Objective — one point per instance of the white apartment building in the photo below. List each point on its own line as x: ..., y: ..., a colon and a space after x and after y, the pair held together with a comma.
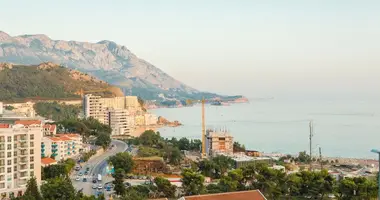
x: 118, y: 121
x: 150, y: 119
x: 49, y: 130
x: 129, y: 103
x: 20, y: 155
x: 61, y: 146
x: 93, y: 107
x: 1, y: 108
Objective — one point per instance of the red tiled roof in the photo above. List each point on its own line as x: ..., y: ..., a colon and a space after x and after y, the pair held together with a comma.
x: 51, y: 127
x: 68, y: 135
x: 47, y: 161
x: 27, y: 122
x: 4, y: 125
x: 243, y: 195
x: 56, y: 139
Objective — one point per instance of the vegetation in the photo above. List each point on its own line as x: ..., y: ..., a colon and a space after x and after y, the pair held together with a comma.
x: 216, y: 167
x: 238, y: 147
x: 32, y: 190
x: 87, y: 155
x: 122, y: 161
x: 57, y: 111
x: 103, y: 140
x: 119, y: 182
x: 58, y: 170
x: 22, y: 82
x: 165, y: 187
x: 192, y: 182
x: 58, y: 188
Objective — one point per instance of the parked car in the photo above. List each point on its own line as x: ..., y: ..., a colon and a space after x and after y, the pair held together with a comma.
x: 127, y: 184
x: 77, y: 178
x: 86, y: 173
x: 80, y: 174
x: 94, y: 186
x: 84, y: 179
x: 77, y: 168
x: 100, y: 186
x: 94, y: 180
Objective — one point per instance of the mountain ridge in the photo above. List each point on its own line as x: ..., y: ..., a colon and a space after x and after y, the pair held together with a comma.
x: 105, y: 59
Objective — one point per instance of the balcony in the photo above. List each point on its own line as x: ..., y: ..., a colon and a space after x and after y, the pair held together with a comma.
x: 42, y: 150
x: 54, y: 154
x: 23, y: 139
x: 42, y: 155
x: 54, y: 145
x: 42, y: 145
x: 54, y: 150
x: 24, y: 176
x: 23, y: 147
x: 23, y: 162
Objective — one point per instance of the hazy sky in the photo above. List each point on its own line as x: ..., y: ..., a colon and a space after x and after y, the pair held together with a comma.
x: 257, y: 48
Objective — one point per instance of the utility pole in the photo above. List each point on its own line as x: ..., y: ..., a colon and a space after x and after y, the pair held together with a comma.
x: 310, y: 140
x: 203, y: 130
x: 320, y: 158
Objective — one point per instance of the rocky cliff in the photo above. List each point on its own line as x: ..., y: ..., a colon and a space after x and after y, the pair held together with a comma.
x: 105, y: 60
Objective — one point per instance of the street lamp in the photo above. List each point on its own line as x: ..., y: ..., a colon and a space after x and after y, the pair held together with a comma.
x: 378, y: 152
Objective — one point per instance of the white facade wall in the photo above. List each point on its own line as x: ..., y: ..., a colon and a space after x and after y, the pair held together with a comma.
x: 20, y: 158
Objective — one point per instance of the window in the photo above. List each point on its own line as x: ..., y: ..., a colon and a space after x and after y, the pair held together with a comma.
x: 15, y: 146
x: 31, y: 144
x: 9, y: 169
x: 31, y: 173
x: 15, y: 161
x: 31, y: 166
x: 9, y: 154
x: 15, y: 168
x: 9, y: 146
x: 15, y: 175
x: 32, y: 159
x: 15, y: 153
x: 9, y: 162
x: 9, y: 139
x: 31, y: 151
x: 32, y: 137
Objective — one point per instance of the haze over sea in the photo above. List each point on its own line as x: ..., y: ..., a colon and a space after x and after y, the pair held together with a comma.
x: 343, y: 127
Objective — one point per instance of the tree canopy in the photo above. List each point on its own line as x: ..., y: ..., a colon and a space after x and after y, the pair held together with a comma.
x: 122, y: 161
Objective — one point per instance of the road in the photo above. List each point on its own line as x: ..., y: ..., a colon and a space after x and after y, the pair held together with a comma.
x: 97, y: 165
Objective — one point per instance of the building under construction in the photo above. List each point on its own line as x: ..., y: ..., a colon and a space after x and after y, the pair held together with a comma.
x: 219, y: 142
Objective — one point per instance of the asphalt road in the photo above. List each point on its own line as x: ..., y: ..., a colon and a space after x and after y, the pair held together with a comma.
x: 97, y: 166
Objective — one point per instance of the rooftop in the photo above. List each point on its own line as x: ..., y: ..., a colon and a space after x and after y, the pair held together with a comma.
x: 242, y: 195
x: 48, y: 161
x: 27, y: 122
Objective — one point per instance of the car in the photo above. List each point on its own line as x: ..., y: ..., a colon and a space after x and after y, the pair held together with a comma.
x: 84, y: 179
x: 127, y: 184
x: 87, y: 169
x: 94, y: 180
x: 100, y: 186
x: 80, y: 174
x: 77, y: 178
x: 94, y: 186
x: 77, y: 168
x: 86, y: 173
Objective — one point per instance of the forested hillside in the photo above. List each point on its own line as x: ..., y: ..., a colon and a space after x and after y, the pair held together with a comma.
x: 48, y: 81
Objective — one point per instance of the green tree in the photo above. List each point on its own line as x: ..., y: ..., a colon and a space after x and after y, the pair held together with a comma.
x: 172, y: 154
x: 149, y: 138
x: 233, y: 181
x: 164, y: 186
x: 103, y: 140
x: 58, y: 188
x: 53, y: 171
x: 184, y: 144
x: 192, y: 182
x: 123, y: 161
x: 32, y: 189
x: 237, y: 147
x: 119, y: 182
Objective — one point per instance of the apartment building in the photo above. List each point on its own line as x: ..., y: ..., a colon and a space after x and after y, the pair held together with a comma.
x: 20, y: 155
x: 219, y: 142
x: 1, y: 108
x: 93, y: 107
x: 61, y: 146
x: 129, y: 103
x: 140, y: 120
x: 118, y: 121
x: 150, y: 119
x: 49, y: 130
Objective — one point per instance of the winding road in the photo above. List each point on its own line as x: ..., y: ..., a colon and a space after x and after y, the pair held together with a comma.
x: 97, y: 165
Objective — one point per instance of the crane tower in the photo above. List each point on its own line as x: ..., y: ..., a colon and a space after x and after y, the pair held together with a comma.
x: 203, y: 130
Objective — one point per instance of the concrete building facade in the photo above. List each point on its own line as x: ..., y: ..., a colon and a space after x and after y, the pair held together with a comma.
x: 93, y: 107
x: 20, y: 156
x: 129, y: 103
x: 118, y: 121
x: 1, y: 108
x: 218, y: 142
x: 61, y: 146
x: 150, y: 119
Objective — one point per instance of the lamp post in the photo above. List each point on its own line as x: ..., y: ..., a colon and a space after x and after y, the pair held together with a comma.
x: 378, y: 153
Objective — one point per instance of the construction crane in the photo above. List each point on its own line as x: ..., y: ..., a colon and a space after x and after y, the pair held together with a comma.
x: 203, y: 130
x: 81, y: 92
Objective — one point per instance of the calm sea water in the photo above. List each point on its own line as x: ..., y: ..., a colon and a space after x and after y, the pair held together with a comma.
x: 342, y: 128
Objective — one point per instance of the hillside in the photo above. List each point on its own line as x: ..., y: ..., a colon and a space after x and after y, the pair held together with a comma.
x: 48, y: 81
x: 105, y: 60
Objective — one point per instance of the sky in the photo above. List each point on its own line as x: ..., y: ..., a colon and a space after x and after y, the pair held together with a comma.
x: 255, y: 48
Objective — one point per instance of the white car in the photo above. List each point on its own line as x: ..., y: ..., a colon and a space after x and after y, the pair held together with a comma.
x: 77, y: 178
x: 94, y: 186
x: 100, y: 186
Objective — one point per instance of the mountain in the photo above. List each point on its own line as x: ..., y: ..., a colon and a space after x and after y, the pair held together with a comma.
x: 105, y: 60
x: 48, y: 81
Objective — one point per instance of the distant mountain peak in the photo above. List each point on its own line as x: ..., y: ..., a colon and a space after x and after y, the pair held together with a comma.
x: 105, y: 59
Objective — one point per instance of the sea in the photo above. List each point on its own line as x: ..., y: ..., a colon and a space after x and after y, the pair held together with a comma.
x: 344, y: 128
